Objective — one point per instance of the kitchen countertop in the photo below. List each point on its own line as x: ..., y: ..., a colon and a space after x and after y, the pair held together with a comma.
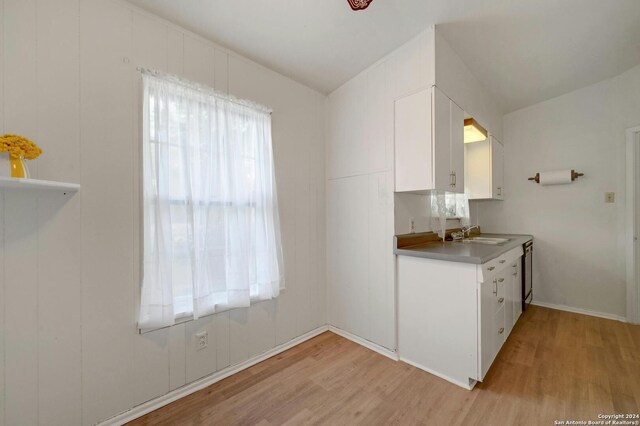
x: 456, y: 251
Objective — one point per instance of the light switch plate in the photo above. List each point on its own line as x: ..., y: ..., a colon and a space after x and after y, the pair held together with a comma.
x: 609, y: 197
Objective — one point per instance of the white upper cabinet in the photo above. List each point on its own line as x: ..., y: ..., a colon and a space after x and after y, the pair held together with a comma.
x: 429, y: 143
x: 484, y: 164
x: 457, y: 147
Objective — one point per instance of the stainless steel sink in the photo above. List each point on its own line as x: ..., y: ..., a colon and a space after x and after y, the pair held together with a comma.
x: 486, y: 240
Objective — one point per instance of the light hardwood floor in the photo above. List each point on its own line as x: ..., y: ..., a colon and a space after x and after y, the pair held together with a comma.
x: 555, y: 366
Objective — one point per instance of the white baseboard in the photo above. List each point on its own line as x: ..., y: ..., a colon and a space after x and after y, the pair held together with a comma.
x: 364, y: 342
x: 579, y: 311
x: 192, y: 387
x: 466, y: 385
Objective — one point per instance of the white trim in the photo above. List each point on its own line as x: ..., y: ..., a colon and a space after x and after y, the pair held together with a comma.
x: 364, y: 342
x: 632, y: 231
x: 468, y: 386
x: 579, y: 311
x: 172, y: 396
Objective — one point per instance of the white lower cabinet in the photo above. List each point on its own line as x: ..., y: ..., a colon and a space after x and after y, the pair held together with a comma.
x: 453, y: 318
x: 513, y: 298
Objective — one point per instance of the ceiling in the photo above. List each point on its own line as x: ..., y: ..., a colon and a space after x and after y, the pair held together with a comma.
x: 523, y: 51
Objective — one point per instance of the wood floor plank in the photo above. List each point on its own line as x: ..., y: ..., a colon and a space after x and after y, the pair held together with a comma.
x: 555, y: 366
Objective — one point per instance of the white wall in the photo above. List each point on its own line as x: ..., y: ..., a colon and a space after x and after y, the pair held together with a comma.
x: 579, y: 254
x: 457, y: 81
x: 361, y: 220
x: 360, y: 283
x: 360, y: 182
x: 69, y: 349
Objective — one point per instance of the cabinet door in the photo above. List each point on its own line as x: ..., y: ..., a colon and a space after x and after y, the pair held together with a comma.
x: 499, y: 331
x: 478, y: 176
x: 413, y: 153
x: 457, y: 147
x: 488, y: 339
x: 497, y: 168
x: 517, y: 290
x: 443, y: 173
x: 508, y: 302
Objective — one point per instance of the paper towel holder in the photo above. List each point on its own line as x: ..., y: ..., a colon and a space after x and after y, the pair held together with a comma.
x: 574, y: 175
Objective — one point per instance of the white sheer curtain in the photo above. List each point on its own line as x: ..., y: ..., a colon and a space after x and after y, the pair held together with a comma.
x: 446, y: 205
x: 211, y: 226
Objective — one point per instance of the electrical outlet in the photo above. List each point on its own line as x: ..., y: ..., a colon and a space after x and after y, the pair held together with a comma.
x: 412, y: 223
x: 609, y: 197
x: 202, y: 340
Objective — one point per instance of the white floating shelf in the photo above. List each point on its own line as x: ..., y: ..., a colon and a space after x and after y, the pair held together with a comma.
x: 43, y: 185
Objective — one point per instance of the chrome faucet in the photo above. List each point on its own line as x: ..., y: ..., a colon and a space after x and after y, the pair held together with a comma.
x: 467, y: 229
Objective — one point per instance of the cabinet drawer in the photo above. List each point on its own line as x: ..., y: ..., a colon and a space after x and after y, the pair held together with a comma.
x: 487, y: 271
x: 490, y: 269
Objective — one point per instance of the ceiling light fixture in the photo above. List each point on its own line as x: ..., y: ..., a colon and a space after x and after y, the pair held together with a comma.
x: 359, y: 4
x: 473, y: 132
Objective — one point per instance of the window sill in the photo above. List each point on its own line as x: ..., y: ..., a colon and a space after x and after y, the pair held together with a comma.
x: 189, y: 318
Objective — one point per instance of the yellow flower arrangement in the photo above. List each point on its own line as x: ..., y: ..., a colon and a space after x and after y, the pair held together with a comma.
x: 18, y: 146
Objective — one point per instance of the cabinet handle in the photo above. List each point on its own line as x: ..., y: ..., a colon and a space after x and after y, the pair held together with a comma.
x: 501, y: 300
x: 495, y: 287
x: 501, y: 280
x: 451, y: 184
x: 491, y: 268
x: 455, y: 179
x: 499, y: 190
x: 514, y: 274
x: 501, y: 330
x: 515, y: 265
x: 502, y: 261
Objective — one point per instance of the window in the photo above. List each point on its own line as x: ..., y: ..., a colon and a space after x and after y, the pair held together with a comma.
x: 210, y: 212
x: 448, y: 205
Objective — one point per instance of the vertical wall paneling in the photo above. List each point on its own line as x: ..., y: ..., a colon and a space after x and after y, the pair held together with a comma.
x: 70, y: 352
x: 286, y: 321
x: 222, y: 343
x: 318, y: 252
x: 177, y: 357
x: 381, y: 283
x: 348, y: 262
x: 3, y: 302
x: 2, y: 81
x: 347, y: 146
x: 107, y: 97
x: 200, y: 362
x: 175, y: 57
x: 21, y: 212
x: 21, y: 314
x: 221, y: 71
x: 58, y: 230
x: 177, y: 334
x: 378, y: 130
x: 303, y: 225
x: 150, y: 42
x: 262, y: 331
x: 149, y: 50
x: 315, y: 296
x: 238, y: 336
x: 199, y: 61
x: 222, y: 340
x: 361, y: 290
x: 2, y: 275
x: 20, y: 47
